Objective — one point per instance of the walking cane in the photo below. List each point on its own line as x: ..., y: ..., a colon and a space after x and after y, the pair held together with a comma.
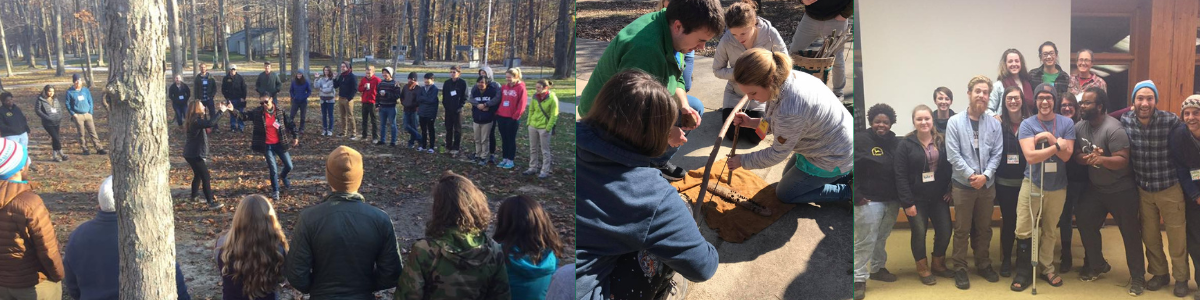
x: 1039, y: 193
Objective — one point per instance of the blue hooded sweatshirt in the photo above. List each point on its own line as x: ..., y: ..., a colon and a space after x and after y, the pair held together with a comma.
x: 79, y: 101
x: 92, y: 265
x: 527, y: 280
x: 625, y: 206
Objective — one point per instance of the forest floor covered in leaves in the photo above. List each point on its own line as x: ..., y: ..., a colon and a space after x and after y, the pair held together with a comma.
x: 397, y: 180
x: 601, y: 19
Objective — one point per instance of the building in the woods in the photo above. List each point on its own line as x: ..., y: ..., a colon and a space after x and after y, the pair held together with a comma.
x: 260, y: 39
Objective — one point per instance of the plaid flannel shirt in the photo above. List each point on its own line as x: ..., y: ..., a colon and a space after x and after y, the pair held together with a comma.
x: 1149, y: 150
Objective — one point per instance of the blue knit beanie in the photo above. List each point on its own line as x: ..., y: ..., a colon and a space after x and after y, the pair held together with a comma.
x: 1144, y: 84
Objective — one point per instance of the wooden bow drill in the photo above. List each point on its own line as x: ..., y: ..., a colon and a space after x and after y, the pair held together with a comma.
x: 699, y: 203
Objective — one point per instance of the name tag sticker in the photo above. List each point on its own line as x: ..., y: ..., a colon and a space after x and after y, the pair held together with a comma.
x: 927, y: 177
x: 180, y: 97
x: 277, y: 125
x: 54, y: 110
x: 80, y: 97
x: 763, y: 126
x: 453, y: 93
x: 1013, y: 159
x: 1195, y: 174
x: 204, y: 82
x: 1051, y: 167
x: 975, y: 142
x: 505, y: 103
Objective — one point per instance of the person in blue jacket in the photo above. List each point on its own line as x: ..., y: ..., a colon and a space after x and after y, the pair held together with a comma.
x: 79, y: 104
x: 485, y: 99
x: 530, y: 243
x: 631, y: 214
x: 91, y: 261
x: 300, y: 91
x: 427, y: 109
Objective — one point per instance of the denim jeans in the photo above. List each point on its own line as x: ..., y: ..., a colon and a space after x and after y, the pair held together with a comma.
x: 211, y: 107
x: 302, y: 106
x: 180, y: 108
x: 508, y: 137
x: 327, y: 116
x: 411, y: 123
x: 272, y: 152
x: 22, y: 139
x: 872, y: 225
x: 387, y: 120
x: 240, y: 106
x: 937, y: 213
x: 689, y: 62
x: 810, y: 30
x: 797, y: 187
x: 696, y: 104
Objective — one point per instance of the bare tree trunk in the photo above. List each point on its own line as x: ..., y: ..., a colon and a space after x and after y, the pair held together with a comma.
x: 448, y: 50
x: 246, y: 32
x: 61, y: 68
x: 45, y: 29
x: 399, y: 41
x: 140, y: 159
x: 4, y: 46
x: 564, y: 41
x: 97, y: 34
x: 87, y: 45
x: 408, y: 11
x: 529, y: 32
x: 419, y: 51
x: 30, y: 53
x: 195, y: 48
x: 487, y: 36
x: 345, y: 30
x: 223, y: 30
x: 174, y: 37
x: 300, y: 35
x: 279, y: 32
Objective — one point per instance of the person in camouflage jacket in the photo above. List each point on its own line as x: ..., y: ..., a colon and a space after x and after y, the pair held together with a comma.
x: 456, y: 260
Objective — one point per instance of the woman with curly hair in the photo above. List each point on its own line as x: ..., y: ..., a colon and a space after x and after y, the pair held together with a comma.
x: 251, y: 254
x: 456, y: 260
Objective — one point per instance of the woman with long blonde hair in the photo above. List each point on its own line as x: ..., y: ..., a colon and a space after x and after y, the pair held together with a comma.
x: 250, y: 255
x: 195, y: 150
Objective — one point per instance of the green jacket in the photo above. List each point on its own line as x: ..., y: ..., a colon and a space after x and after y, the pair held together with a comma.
x: 457, y: 265
x: 644, y: 44
x: 343, y: 248
x: 542, y: 113
x: 267, y: 85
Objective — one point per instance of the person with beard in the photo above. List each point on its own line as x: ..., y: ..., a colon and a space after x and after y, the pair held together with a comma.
x: 1050, y: 73
x: 1103, y: 150
x: 1185, y: 153
x: 875, y: 197
x: 974, y: 144
x: 270, y: 125
x: 1158, y: 187
x: 942, y: 99
x: 1047, y: 141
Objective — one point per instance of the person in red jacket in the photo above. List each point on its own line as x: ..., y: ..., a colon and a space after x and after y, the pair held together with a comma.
x: 512, y: 106
x: 369, y: 87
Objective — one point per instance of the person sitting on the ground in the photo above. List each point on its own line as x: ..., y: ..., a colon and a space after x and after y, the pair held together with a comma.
x: 250, y: 255
x: 630, y: 212
x: 456, y: 259
x: 343, y: 247
x: 530, y: 242
x: 746, y: 30
x: 813, y: 131
x: 91, y: 262
x: 650, y: 44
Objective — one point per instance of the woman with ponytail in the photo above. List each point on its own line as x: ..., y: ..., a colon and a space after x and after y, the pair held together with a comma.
x: 809, y: 123
x: 746, y: 30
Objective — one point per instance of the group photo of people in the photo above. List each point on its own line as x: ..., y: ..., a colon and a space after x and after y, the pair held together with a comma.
x: 1067, y: 173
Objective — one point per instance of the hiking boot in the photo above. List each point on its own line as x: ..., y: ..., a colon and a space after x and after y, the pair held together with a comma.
x: 860, y: 290
x: 924, y: 274
x: 883, y: 275
x: 1137, y: 285
x: 63, y: 155
x: 961, y: 281
x: 1181, y: 288
x: 1157, y: 282
x: 939, y: 267
x: 988, y: 274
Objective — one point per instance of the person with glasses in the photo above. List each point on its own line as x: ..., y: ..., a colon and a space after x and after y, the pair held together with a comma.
x: 1084, y: 79
x: 1050, y: 73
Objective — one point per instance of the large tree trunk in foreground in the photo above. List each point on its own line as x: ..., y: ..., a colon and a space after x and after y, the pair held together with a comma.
x: 139, y: 158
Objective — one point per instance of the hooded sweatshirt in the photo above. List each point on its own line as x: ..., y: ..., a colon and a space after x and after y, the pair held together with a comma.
x: 12, y: 121
x: 516, y: 97
x: 51, y: 113
x: 530, y: 280
x: 626, y: 206
x: 325, y: 87
x: 875, y: 152
x: 427, y: 101
x: 809, y: 122
x: 489, y: 97
x: 456, y: 265
x: 92, y: 261
x: 728, y: 52
x: 28, y: 246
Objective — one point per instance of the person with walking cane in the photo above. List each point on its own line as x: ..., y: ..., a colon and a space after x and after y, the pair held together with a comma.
x: 1047, y: 141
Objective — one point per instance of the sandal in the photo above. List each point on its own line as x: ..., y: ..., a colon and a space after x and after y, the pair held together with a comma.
x: 1050, y: 278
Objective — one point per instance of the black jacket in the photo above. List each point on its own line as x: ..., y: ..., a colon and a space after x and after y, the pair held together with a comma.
x: 176, y: 90
x: 205, y: 92
x: 873, y: 154
x: 234, y: 87
x: 1060, y: 84
x: 454, y: 104
x: 346, y: 84
x: 197, y: 137
x: 1012, y: 146
x: 258, y: 141
x: 910, y: 161
x: 50, y: 113
x: 12, y: 121
x: 829, y: 9
x: 343, y: 248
